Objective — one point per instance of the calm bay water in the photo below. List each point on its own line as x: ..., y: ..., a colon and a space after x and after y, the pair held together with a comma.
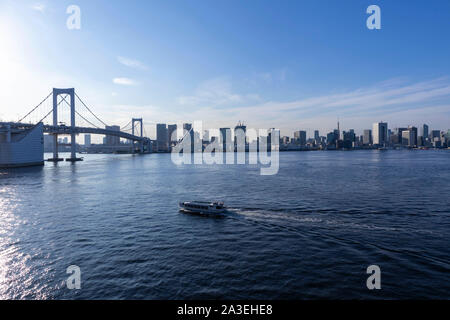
x: 308, y: 232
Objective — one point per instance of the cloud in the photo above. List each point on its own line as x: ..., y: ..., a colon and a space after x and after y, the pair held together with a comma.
x: 39, y: 7
x: 216, y: 92
x: 125, y: 81
x: 132, y: 63
x: 397, y: 101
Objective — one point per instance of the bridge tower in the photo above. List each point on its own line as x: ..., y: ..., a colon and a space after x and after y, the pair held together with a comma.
x: 70, y: 92
x: 139, y: 120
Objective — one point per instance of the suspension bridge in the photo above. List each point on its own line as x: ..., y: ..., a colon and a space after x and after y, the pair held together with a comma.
x: 90, y: 124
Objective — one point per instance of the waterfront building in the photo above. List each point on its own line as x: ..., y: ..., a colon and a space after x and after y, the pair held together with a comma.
x: 225, y: 139
x: 409, y: 137
x: 300, y: 137
x: 48, y: 143
x: 87, y: 140
x: 331, y: 138
x: 188, y: 133
x: 420, y: 141
x: 162, y: 137
x: 171, y: 128
x: 239, y: 136
x: 205, y: 137
x: 414, y: 135
x: 367, y: 137
x: 337, y: 135
x: 112, y: 140
x: 399, y: 133
x: 380, y: 133
x: 424, y: 131
x: 435, y: 134
x: 316, y: 136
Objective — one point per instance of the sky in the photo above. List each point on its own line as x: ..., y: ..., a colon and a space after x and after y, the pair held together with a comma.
x: 291, y: 65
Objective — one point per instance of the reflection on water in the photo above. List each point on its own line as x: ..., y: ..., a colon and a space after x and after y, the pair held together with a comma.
x: 308, y: 232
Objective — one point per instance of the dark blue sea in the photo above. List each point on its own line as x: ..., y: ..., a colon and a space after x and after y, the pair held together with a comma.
x: 308, y: 232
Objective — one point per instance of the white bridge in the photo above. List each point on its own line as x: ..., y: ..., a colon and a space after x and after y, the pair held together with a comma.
x: 140, y: 143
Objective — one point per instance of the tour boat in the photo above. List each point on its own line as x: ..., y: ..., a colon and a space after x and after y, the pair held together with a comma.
x: 213, y: 208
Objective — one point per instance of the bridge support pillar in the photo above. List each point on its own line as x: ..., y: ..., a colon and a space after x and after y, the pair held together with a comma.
x: 56, y: 157
x: 141, y: 144
x: 70, y: 92
x: 73, y: 142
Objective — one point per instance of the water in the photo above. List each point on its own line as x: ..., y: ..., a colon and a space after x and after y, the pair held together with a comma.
x: 309, y: 232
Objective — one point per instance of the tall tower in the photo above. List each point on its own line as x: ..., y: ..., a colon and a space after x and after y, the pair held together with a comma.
x: 71, y: 93
x: 338, y: 130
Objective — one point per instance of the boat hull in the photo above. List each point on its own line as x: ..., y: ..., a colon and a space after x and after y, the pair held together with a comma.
x: 201, y: 209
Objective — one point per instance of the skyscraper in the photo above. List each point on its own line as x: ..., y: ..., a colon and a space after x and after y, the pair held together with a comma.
x: 162, y: 137
x: 239, y: 134
x: 225, y: 137
x: 112, y: 140
x: 413, y: 131
x: 188, y: 133
x: 380, y: 133
x: 316, y: 136
x: 424, y: 131
x: 171, y: 128
x: 300, y: 137
x: 408, y: 138
x: 87, y: 140
x: 367, y: 137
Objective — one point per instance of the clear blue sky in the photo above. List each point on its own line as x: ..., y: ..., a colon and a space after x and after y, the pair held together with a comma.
x: 287, y: 64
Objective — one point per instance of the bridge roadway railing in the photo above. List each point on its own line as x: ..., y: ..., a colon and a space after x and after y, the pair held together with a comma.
x: 68, y: 130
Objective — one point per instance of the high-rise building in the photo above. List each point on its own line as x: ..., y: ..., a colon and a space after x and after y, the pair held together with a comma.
x: 414, y: 135
x: 171, y: 128
x: 205, y: 137
x: 408, y: 138
x: 187, y: 127
x: 331, y: 138
x: 349, y: 135
x: 300, y: 137
x: 367, y: 137
x: 87, y: 140
x: 380, y: 133
x: 188, y: 133
x: 424, y: 131
x: 399, y: 135
x: 225, y: 137
x: 112, y: 140
x: 239, y: 133
x: 316, y: 136
x: 162, y: 137
x: 435, y: 134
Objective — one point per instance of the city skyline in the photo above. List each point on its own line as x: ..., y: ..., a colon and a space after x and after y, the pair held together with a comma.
x: 137, y: 68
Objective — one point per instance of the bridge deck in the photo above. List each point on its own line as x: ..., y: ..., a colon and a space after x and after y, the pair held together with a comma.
x: 77, y: 130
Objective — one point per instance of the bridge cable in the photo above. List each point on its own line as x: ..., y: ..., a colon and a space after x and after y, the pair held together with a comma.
x: 64, y: 99
x: 36, y: 107
x: 90, y: 110
x: 50, y: 112
x: 126, y: 126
